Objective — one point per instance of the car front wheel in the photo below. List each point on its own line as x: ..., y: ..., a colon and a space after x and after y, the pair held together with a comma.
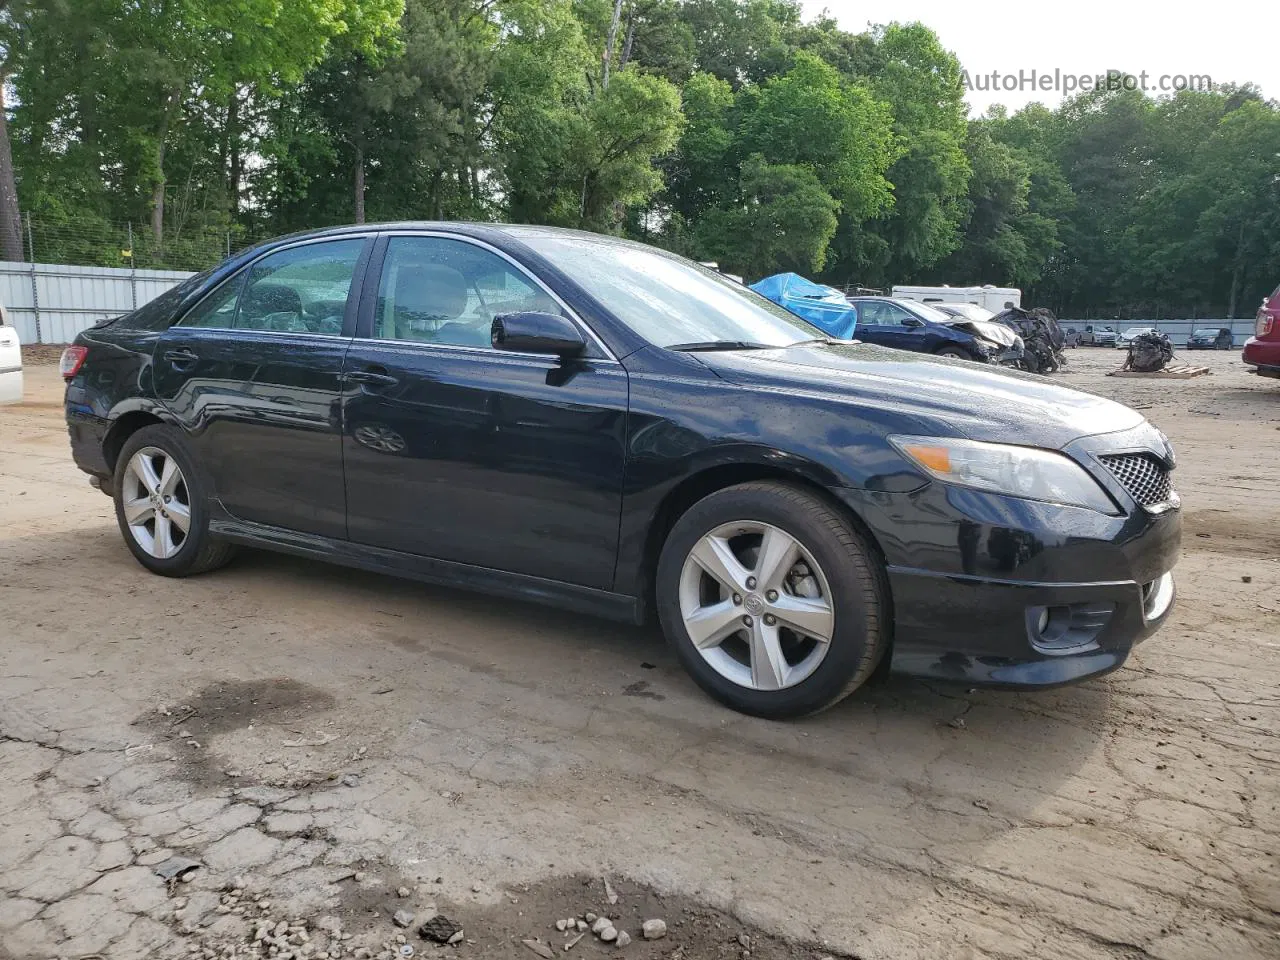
x: 772, y: 600
x: 161, y: 505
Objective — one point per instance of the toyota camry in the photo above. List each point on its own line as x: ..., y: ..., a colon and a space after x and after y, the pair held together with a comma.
x: 592, y: 423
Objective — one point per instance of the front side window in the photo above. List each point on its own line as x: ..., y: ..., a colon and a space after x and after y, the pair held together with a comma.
x: 300, y: 290
x: 445, y: 291
x: 666, y: 299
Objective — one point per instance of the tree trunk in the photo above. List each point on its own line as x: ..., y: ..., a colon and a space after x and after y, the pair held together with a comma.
x: 10, y: 217
x: 611, y: 43
x: 631, y: 35
x: 235, y: 158
x: 157, y: 193
x: 1237, y: 274
x: 359, y: 181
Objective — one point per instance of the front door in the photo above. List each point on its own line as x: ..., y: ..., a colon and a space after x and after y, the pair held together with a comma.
x: 253, y: 373
x: 460, y: 452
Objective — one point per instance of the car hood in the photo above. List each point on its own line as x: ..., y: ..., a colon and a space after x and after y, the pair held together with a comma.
x: 972, y: 400
x: 996, y: 333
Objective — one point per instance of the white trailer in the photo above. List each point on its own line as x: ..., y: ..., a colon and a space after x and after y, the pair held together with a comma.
x: 994, y: 299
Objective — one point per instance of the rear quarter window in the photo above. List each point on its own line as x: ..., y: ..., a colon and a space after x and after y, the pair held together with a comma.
x: 160, y: 313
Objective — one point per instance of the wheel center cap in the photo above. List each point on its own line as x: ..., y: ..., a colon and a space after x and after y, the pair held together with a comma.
x: 754, y: 604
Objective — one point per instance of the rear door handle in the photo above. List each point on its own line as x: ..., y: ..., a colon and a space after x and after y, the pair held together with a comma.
x: 181, y: 356
x: 370, y: 377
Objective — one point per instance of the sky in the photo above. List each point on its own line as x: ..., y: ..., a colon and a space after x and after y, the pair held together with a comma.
x: 1227, y: 40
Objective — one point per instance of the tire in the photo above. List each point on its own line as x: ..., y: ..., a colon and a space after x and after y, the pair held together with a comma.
x: 831, y: 558
x: 958, y: 352
x: 190, y: 552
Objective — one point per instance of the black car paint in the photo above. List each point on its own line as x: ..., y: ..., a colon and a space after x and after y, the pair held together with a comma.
x: 930, y: 336
x: 553, y: 480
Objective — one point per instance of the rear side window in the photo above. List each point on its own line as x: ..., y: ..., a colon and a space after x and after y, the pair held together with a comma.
x: 218, y: 309
x: 299, y: 290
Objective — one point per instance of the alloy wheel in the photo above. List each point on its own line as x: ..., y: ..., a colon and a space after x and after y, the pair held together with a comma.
x: 156, y: 502
x: 756, y: 605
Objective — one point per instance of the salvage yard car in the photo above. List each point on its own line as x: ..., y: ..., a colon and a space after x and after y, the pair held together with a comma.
x: 908, y: 325
x: 1127, y: 336
x: 591, y: 423
x: 10, y: 363
x: 1262, y: 350
x: 1210, y: 338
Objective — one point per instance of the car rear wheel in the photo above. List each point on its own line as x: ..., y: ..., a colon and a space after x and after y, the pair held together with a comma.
x: 161, y: 505
x: 774, y: 603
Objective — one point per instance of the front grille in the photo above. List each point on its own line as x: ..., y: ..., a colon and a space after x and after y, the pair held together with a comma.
x: 1142, y: 475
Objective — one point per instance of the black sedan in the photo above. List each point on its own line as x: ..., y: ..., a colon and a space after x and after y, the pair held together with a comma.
x: 910, y: 325
x: 1211, y: 338
x: 587, y: 422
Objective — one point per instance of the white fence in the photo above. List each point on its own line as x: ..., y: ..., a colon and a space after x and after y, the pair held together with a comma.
x: 1177, y: 330
x: 48, y: 303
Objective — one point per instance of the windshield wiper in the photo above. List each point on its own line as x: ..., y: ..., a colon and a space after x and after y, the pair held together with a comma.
x: 706, y: 345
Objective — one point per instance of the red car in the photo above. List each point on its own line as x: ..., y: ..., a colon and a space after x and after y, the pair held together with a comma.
x: 1263, y: 349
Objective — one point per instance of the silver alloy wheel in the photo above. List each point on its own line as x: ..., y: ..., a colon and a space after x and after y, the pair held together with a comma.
x: 156, y: 502
x: 756, y: 605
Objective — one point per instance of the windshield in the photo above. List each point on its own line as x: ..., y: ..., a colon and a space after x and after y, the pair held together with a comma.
x: 666, y: 299
x: 1134, y: 331
x: 1205, y: 333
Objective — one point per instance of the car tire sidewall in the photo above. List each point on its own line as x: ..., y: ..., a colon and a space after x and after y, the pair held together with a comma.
x: 170, y: 440
x: 851, y: 638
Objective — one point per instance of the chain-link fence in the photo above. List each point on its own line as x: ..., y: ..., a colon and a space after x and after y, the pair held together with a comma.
x: 108, y: 243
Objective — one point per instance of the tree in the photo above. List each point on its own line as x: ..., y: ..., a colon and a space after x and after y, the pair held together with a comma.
x: 785, y: 221
x: 921, y: 81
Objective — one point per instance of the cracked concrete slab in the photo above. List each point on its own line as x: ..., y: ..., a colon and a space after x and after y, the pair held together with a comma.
x: 359, y: 734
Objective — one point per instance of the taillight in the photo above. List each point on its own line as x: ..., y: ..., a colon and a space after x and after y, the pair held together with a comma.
x: 72, y: 360
x: 1265, y: 322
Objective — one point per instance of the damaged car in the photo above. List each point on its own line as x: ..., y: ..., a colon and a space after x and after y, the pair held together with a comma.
x: 919, y: 327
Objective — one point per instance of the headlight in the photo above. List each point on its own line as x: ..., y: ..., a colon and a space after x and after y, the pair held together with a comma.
x: 1002, y: 468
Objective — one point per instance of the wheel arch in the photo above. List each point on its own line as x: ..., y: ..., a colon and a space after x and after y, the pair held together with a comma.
x: 711, y: 479
x: 122, y: 428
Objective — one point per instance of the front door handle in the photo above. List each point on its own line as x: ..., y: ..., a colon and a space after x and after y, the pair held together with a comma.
x: 371, y: 378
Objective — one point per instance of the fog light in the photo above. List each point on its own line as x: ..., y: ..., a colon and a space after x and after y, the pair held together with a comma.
x: 1069, y: 628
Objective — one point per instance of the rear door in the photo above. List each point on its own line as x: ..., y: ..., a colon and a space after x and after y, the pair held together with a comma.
x: 253, y: 373
x: 460, y: 452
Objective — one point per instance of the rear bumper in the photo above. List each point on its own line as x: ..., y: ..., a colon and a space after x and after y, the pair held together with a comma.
x: 1263, y: 354
x: 87, y: 434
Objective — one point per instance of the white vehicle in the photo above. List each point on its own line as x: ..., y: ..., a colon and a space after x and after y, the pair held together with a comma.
x: 994, y: 299
x: 10, y: 363
x: 1124, y: 339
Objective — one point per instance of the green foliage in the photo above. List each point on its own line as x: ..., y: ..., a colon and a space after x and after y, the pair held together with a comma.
x: 784, y: 222
x: 727, y: 129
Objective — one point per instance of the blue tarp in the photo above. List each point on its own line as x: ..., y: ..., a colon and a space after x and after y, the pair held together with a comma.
x: 824, y: 307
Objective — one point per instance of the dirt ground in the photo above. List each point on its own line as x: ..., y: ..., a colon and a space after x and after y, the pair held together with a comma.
x: 319, y: 739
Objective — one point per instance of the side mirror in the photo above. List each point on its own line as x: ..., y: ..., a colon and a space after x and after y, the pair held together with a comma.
x: 912, y: 322
x: 531, y: 331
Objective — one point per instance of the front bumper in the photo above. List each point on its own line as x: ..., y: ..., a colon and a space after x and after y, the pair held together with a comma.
x: 993, y: 590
